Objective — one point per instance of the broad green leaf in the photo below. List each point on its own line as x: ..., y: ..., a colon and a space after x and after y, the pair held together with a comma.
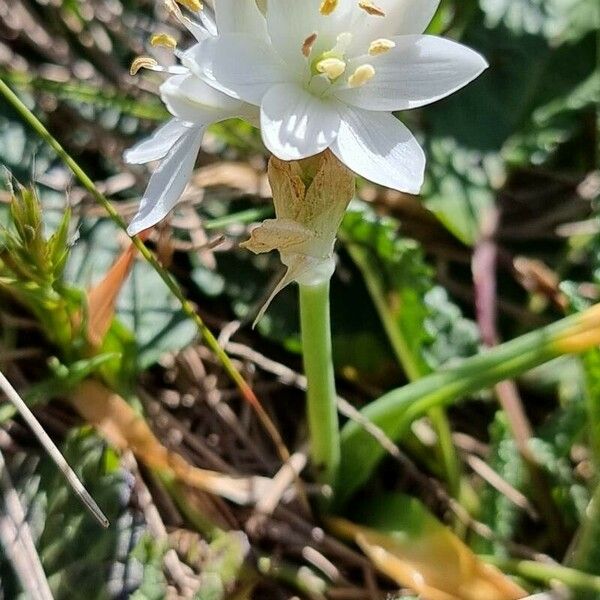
x: 425, y: 329
x: 82, y: 561
x: 461, y: 186
x: 558, y: 20
x: 525, y: 74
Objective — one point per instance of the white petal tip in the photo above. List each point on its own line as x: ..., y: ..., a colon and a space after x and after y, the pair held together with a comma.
x: 133, y: 230
x: 129, y: 158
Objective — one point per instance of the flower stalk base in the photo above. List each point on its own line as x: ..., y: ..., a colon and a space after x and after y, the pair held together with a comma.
x: 321, y: 393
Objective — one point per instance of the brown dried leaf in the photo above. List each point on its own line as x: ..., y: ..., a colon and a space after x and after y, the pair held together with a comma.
x: 431, y: 560
x: 277, y: 234
x: 124, y: 429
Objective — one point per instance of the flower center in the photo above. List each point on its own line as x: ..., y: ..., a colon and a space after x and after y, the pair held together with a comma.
x: 327, y: 69
x: 332, y: 63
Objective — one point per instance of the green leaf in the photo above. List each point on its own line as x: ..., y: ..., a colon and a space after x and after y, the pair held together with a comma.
x: 500, y: 514
x: 149, y: 555
x: 81, y: 560
x: 424, y: 327
x: 222, y: 564
x: 557, y: 20
x: 517, y: 110
x: 525, y: 74
x: 461, y: 186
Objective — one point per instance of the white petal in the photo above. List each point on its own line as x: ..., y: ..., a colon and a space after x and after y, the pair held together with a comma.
x: 157, y: 145
x: 191, y: 99
x: 202, y: 30
x: 296, y: 124
x: 168, y: 182
x: 380, y: 148
x: 291, y: 22
x: 240, y: 16
x: 419, y: 70
x: 208, y: 22
x: 240, y: 65
x: 402, y: 17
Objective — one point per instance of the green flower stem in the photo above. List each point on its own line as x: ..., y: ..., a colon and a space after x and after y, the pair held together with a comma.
x: 321, y: 394
x: 173, y: 286
x: 395, y: 411
x: 546, y: 573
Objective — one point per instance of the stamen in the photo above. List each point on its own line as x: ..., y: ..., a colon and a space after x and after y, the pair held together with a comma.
x: 145, y: 62
x: 381, y: 46
x: 362, y: 75
x: 193, y: 5
x: 328, y: 6
x: 332, y: 67
x: 308, y: 44
x: 199, y: 31
x: 163, y: 39
x: 371, y: 8
x: 142, y: 62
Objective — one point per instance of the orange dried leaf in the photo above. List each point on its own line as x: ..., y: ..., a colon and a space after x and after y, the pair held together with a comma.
x: 102, y: 298
x: 428, y: 558
x: 124, y: 429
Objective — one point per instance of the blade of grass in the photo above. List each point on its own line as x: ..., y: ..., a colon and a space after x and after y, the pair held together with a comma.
x: 546, y: 573
x: 186, y: 305
x: 414, y: 366
x: 395, y: 411
x: 87, y: 94
x: 52, y: 450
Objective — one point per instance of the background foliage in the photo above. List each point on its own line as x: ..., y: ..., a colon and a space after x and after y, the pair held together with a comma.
x: 512, y: 169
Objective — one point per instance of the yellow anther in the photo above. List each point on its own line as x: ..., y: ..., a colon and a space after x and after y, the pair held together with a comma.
x: 328, y: 6
x: 308, y: 44
x: 371, y: 8
x: 142, y: 62
x: 362, y: 75
x: 193, y: 5
x: 163, y: 39
x: 332, y: 67
x: 381, y: 46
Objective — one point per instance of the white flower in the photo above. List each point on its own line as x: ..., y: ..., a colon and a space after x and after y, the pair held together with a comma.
x: 194, y: 105
x: 329, y: 73
x: 319, y: 73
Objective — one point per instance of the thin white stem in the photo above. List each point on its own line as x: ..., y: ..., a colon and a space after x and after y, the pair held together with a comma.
x: 52, y: 450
